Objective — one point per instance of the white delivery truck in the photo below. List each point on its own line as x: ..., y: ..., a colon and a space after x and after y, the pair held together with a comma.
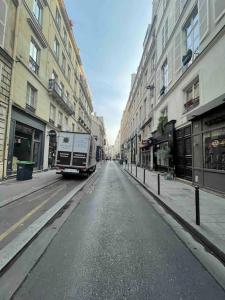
x: 76, y: 153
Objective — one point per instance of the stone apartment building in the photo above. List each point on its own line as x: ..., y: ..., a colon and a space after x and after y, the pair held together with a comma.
x: 8, y: 18
x: 174, y: 119
x: 98, y: 131
x: 50, y: 91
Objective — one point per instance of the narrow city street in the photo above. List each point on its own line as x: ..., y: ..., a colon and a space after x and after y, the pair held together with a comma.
x: 116, y: 246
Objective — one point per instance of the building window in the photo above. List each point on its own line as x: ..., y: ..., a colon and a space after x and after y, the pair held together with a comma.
x: 31, y: 97
x: 73, y: 127
x: 69, y: 50
x: 63, y: 65
x: 60, y: 120
x: 64, y: 36
x: 58, y: 19
x: 34, y: 56
x: 165, y: 80
x: 192, y: 96
x: 3, y: 12
x: 69, y: 73
x: 56, y: 48
x: 192, y: 32
x: 37, y: 11
x: 54, y: 76
x: 52, y: 114
x: 66, y: 122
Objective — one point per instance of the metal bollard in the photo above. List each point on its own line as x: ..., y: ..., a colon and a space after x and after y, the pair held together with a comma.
x: 197, y: 206
x: 136, y: 171
x: 144, y: 177
x: 158, y: 184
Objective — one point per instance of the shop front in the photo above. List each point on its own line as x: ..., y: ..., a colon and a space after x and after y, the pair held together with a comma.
x: 133, y: 149
x: 26, y: 140
x: 209, y: 149
x: 163, y: 148
x: 146, y: 153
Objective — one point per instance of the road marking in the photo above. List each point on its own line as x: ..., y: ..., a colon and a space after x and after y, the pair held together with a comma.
x: 26, y: 217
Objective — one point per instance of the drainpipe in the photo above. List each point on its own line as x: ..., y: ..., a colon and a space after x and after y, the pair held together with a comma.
x: 9, y: 110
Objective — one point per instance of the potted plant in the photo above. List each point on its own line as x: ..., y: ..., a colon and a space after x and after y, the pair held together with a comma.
x: 161, y: 125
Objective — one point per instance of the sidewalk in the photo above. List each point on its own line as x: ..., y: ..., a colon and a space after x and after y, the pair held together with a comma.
x: 179, y: 199
x: 12, y: 189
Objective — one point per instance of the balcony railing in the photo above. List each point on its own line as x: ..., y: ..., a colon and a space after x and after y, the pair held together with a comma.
x: 33, y: 65
x: 58, y: 94
x: 190, y: 104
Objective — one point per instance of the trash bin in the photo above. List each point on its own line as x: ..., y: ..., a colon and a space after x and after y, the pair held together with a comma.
x: 24, y: 170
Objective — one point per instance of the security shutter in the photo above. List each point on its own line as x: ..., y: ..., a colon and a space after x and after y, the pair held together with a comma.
x: 219, y: 9
x: 203, y: 18
x: 177, y: 52
x: 2, y: 21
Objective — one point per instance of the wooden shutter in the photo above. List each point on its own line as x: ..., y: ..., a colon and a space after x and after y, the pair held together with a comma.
x: 203, y: 12
x: 219, y: 9
x: 177, y: 52
x: 3, y: 9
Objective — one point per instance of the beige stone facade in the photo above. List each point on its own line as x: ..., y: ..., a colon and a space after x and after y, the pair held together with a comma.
x: 50, y: 92
x: 98, y: 131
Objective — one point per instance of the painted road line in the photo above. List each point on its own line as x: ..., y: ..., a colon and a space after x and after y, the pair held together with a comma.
x: 9, y: 252
x: 26, y: 217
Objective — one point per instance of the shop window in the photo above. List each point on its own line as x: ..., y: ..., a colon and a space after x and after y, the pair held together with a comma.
x: 3, y: 12
x: 37, y: 11
x: 214, y: 145
x: 31, y: 97
x: 34, y: 58
x: 192, y: 96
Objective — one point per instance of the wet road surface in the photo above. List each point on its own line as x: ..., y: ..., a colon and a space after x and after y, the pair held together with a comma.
x: 116, y: 246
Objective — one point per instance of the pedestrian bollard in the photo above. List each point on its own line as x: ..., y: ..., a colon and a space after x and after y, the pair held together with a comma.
x: 158, y: 184
x: 144, y: 176
x: 197, y: 206
x: 136, y: 171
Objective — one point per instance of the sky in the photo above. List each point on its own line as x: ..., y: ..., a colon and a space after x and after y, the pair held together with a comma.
x: 110, y: 35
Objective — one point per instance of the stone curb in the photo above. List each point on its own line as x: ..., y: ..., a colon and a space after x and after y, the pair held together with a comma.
x: 9, y: 201
x: 11, y: 250
x: 211, y: 247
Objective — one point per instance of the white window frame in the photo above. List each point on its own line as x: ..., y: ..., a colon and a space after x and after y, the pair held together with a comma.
x: 216, y: 20
x: 58, y: 19
x: 56, y: 43
x: 4, y: 24
x: 31, y: 88
x: 165, y: 75
x: 37, y: 5
x: 36, y: 59
x: 193, y: 27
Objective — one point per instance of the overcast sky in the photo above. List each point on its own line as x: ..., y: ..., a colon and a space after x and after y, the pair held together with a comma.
x: 110, y: 35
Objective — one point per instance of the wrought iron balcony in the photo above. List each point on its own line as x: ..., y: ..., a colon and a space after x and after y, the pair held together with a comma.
x: 33, y: 65
x: 190, y: 104
x: 57, y: 93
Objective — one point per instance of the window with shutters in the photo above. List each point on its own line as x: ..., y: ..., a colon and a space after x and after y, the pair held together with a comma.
x: 192, y: 32
x: 219, y: 9
x: 3, y: 13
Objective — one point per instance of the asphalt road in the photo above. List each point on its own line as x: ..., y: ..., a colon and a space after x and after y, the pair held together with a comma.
x: 116, y: 246
x: 16, y: 216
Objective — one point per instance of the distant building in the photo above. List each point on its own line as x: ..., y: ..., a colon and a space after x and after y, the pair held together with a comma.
x: 174, y: 118
x: 98, y: 131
